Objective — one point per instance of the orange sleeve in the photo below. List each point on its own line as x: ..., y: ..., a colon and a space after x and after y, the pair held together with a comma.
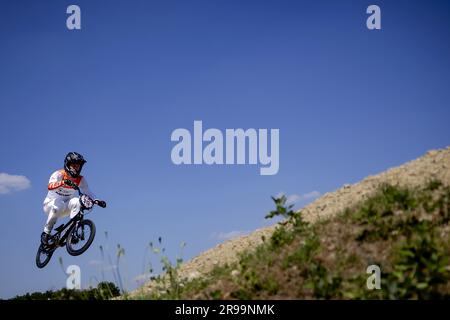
x: 56, y: 180
x: 55, y: 185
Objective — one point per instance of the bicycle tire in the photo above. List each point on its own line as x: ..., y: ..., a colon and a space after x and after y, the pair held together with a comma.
x: 49, y: 253
x: 73, y: 233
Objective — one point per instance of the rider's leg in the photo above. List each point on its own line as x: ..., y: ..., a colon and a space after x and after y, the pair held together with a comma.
x: 55, y: 209
x: 74, y: 206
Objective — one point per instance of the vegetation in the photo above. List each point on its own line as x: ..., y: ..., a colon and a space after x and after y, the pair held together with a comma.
x: 403, y: 231
x: 168, y: 285
x: 103, y: 291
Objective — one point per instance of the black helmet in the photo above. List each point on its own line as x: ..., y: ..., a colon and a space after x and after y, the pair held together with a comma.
x: 71, y: 158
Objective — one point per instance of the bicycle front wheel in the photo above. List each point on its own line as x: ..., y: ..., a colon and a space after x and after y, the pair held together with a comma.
x: 80, y: 237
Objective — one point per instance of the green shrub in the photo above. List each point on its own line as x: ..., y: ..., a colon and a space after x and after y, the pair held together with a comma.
x: 103, y: 291
x: 304, y: 253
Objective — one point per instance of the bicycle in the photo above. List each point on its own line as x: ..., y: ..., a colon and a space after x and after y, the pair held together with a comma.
x: 74, y: 232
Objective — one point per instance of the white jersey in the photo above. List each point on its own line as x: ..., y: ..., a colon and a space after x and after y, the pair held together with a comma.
x: 57, y: 189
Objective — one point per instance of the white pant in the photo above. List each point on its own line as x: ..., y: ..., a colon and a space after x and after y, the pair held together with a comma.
x: 58, y: 208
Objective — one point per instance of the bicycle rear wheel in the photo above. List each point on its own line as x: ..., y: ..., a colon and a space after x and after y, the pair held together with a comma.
x: 43, y: 256
x: 80, y: 237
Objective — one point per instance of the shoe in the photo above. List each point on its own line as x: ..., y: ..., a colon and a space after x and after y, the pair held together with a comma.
x: 44, y: 238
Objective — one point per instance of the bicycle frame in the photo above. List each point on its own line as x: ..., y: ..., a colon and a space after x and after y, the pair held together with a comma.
x: 58, y: 241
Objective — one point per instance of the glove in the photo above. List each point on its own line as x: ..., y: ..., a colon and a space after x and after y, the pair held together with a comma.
x: 69, y: 183
x: 100, y: 203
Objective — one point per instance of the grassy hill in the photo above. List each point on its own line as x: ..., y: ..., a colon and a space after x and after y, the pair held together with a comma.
x: 397, y: 220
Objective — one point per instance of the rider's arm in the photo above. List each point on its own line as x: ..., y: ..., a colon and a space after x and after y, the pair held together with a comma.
x: 85, y: 188
x: 56, y: 181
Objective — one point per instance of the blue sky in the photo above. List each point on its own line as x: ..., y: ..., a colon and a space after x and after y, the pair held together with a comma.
x: 349, y: 102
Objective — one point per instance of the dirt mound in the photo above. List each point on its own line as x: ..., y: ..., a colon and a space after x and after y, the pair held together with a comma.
x: 433, y: 165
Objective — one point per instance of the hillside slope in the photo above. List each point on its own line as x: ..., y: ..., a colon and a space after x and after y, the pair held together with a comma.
x: 433, y: 166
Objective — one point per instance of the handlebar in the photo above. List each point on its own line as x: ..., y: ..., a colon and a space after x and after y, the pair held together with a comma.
x: 71, y: 184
